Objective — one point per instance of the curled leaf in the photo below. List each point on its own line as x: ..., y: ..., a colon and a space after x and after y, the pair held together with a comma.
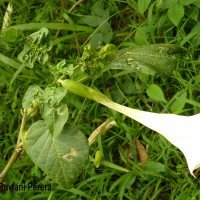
x: 52, y: 96
x: 36, y: 48
x: 62, y: 68
x: 107, y: 52
x: 31, y: 97
x: 54, y: 112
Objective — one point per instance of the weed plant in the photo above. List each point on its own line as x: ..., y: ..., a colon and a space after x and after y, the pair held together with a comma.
x: 126, y: 24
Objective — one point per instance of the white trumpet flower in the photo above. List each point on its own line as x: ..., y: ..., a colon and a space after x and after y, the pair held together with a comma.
x: 182, y: 131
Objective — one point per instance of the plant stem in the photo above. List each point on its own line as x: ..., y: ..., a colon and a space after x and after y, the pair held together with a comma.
x: 111, y: 165
x: 11, y: 161
x: 17, y: 151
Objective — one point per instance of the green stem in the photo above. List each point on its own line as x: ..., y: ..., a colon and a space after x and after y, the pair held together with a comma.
x: 17, y: 151
x: 11, y: 161
x: 111, y: 165
x: 25, y: 116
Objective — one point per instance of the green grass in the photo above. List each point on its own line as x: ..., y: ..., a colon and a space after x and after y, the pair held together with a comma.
x: 166, y: 175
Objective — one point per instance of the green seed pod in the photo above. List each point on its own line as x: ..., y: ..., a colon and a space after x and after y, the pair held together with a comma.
x: 97, y: 159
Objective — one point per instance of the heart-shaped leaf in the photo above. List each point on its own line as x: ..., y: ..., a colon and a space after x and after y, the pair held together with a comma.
x: 61, y: 158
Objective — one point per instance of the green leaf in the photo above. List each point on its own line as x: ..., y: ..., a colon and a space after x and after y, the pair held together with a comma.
x: 31, y: 96
x: 167, y: 4
x: 54, y: 113
x: 4, y: 44
x: 186, y: 2
x: 143, y: 5
x: 54, y: 26
x: 108, y: 36
x: 36, y: 48
x: 90, y: 20
x: 52, y: 96
x: 104, y: 27
x: 96, y: 40
x: 61, y: 158
x: 128, y: 87
x: 176, y: 13
x: 155, y: 93
x: 141, y: 35
x: 126, y: 182
x: 62, y: 68
x: 55, y: 118
x: 153, y: 168
x: 194, y: 32
x: 92, y: 61
x: 193, y: 13
x: 107, y: 52
x: 149, y: 59
x: 123, y: 181
x: 11, y: 34
x: 193, y: 102
x: 98, y: 8
x: 9, y: 61
x: 179, y: 102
